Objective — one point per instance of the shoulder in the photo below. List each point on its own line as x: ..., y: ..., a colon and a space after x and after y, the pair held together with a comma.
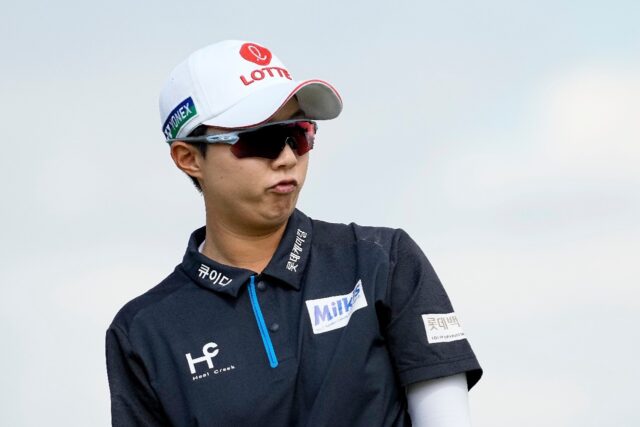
x: 334, y: 233
x: 149, y: 300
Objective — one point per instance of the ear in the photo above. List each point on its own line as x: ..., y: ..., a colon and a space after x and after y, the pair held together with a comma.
x: 187, y: 158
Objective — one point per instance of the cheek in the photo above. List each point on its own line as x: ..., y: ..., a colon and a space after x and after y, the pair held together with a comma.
x: 228, y: 175
x: 304, y: 165
x: 217, y: 170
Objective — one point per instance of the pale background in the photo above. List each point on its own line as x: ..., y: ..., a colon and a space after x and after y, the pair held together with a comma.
x: 503, y: 136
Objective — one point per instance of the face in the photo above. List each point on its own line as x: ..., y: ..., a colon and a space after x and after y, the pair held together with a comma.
x: 244, y: 190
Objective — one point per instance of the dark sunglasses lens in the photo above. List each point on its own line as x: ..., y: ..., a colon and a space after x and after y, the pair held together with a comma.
x: 308, y: 136
x: 269, y: 141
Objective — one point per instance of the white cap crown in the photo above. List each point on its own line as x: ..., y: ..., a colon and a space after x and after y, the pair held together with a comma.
x: 235, y: 84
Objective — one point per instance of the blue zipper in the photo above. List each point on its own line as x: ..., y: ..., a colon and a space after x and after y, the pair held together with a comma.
x: 266, y: 339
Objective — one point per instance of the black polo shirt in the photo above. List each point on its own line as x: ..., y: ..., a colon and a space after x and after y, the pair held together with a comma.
x: 342, y: 318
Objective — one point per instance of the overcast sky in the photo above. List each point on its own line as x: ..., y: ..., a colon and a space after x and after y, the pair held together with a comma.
x: 503, y: 136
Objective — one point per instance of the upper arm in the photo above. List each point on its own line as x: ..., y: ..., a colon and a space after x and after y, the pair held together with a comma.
x: 133, y: 400
x: 440, y: 402
x: 424, y: 335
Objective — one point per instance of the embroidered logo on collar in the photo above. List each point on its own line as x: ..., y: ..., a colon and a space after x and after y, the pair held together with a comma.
x: 209, y: 351
x: 216, y: 277
x: 331, y: 313
x: 294, y: 256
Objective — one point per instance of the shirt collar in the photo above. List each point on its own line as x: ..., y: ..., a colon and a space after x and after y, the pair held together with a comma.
x: 287, y: 264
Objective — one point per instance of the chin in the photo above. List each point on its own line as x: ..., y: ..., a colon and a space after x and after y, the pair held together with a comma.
x: 282, y: 210
x: 282, y: 213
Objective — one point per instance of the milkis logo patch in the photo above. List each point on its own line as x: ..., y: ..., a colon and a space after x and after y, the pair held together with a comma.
x: 331, y: 313
x: 178, y: 117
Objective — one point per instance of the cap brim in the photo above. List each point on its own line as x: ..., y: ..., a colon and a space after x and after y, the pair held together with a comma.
x: 317, y: 98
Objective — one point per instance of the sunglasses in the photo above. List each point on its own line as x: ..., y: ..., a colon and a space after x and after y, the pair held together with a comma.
x: 266, y: 140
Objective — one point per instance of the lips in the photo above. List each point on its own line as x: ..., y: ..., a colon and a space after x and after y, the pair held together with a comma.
x: 287, y: 182
x: 284, y: 186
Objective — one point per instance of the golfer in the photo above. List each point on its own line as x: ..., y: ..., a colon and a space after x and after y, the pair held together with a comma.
x: 274, y: 318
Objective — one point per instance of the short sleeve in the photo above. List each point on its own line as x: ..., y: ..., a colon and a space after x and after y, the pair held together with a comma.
x: 424, y: 334
x: 133, y: 401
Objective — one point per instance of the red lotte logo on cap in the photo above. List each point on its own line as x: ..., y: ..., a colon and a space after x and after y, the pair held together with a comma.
x: 255, y: 53
x: 262, y: 56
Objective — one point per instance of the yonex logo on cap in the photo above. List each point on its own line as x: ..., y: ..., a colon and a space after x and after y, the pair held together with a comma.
x: 255, y: 53
x: 178, y: 117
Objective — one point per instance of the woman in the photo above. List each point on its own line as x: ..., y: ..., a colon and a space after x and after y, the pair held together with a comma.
x: 275, y: 318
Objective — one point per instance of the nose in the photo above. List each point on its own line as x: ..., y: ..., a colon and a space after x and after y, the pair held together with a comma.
x: 287, y: 158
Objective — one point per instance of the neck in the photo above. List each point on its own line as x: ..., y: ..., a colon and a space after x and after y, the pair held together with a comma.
x: 230, y: 243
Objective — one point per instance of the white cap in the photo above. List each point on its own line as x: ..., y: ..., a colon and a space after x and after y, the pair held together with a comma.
x: 237, y: 84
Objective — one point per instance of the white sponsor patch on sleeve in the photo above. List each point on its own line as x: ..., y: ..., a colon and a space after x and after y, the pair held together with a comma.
x: 331, y: 313
x: 442, y: 327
